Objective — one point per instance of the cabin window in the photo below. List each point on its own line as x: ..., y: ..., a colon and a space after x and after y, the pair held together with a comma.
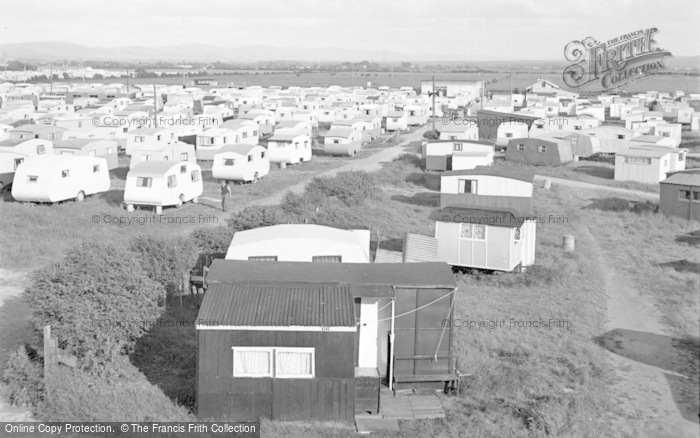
x: 139, y: 139
x: 67, y: 153
x: 467, y: 186
x: 521, y: 147
x: 294, y: 363
x: 684, y: 194
x: 229, y: 162
x: 252, y: 362
x: 541, y: 149
x: 327, y: 259
x: 32, y: 178
x: 665, y: 134
x: 473, y: 232
x: 143, y: 182
x: 457, y: 147
x: 95, y: 168
x: 517, y: 234
x: 255, y: 133
x: 195, y: 176
x: 620, y: 136
x: 18, y: 161
x: 263, y: 258
x: 172, y: 181
x: 40, y: 149
x: 696, y: 196
x: 336, y: 141
x: 65, y: 173
x: 183, y: 157
x: 634, y: 160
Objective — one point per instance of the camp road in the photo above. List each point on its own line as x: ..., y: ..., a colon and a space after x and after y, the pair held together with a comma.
x: 649, y: 196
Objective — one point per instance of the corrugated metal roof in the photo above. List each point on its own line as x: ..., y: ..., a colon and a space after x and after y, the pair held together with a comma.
x: 278, y: 306
x: 436, y: 275
x: 494, y: 171
x: 388, y: 256
x: 420, y: 248
x: 683, y: 178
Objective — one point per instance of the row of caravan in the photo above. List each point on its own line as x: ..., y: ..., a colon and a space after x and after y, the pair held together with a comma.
x: 56, y: 178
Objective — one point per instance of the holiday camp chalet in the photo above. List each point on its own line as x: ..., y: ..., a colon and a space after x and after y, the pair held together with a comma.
x: 297, y: 341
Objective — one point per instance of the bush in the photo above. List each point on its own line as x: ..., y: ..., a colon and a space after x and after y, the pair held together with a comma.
x: 255, y: 216
x: 431, y: 135
x: 165, y: 259
x: 353, y: 188
x: 212, y: 239
x: 98, y: 301
x: 24, y: 377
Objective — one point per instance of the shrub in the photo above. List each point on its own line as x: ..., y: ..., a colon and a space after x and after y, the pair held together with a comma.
x: 98, y: 301
x: 353, y: 188
x: 431, y: 135
x: 255, y: 216
x: 24, y: 377
x: 165, y: 259
x: 212, y: 239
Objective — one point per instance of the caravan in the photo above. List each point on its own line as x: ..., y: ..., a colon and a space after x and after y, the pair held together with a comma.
x: 14, y: 152
x: 177, y: 151
x: 241, y: 162
x: 163, y: 183
x: 106, y: 149
x: 54, y: 178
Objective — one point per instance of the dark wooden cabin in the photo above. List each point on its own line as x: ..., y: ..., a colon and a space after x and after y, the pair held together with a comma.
x: 334, y: 322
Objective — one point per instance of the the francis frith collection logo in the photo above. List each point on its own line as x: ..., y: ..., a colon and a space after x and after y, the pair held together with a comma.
x: 615, y: 62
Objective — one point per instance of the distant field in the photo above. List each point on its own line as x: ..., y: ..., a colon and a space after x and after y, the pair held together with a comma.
x: 520, y: 80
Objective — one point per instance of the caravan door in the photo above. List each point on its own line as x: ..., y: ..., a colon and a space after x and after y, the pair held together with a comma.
x: 367, y: 354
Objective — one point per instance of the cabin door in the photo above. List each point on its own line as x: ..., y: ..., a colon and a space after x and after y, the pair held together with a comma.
x: 367, y: 355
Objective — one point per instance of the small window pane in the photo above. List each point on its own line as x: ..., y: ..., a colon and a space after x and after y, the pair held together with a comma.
x: 480, y: 232
x: 466, y: 231
x: 195, y: 175
x: 172, y: 181
x: 96, y: 168
x: 229, y: 162
x: 65, y: 173
x: 183, y: 169
x: 252, y: 363
x: 297, y: 364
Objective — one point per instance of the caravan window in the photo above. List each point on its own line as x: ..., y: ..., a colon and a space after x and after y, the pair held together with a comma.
x: 457, y: 147
x: 263, y: 258
x: 143, y: 182
x: 172, y: 181
x: 67, y: 153
x: 665, y: 134
x: 250, y: 158
x: 146, y: 157
x: 681, y: 156
x: 521, y: 147
x: 517, y: 234
x: 183, y: 157
x: 229, y: 162
x: 262, y: 154
x: 95, y: 168
x: 195, y: 176
x: 65, y: 173
x: 509, y: 135
x: 245, y: 134
x: 327, y: 259
x: 138, y: 139
x: 306, y: 144
x: 633, y: 160
x: 296, y: 145
x: 467, y: 186
x: 32, y: 178
x: 621, y: 136
x: 183, y: 168
x: 336, y: 141
x: 40, y: 149
x: 541, y: 149
x: 18, y: 161
x: 166, y: 158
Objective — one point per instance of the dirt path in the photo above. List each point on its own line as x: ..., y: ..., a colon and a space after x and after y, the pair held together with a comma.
x: 584, y: 185
x: 657, y: 373
x: 13, y: 331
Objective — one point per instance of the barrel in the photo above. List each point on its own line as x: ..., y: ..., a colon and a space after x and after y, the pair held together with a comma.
x: 547, y: 183
x: 568, y: 242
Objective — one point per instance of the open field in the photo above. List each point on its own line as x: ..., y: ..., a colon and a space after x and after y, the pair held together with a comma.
x: 502, y: 82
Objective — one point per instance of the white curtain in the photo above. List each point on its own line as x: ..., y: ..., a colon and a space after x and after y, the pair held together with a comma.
x: 252, y: 362
x: 294, y: 364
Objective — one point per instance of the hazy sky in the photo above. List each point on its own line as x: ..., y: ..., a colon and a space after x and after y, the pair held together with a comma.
x: 484, y: 30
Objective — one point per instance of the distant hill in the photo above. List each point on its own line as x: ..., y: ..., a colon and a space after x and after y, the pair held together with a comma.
x: 54, y: 51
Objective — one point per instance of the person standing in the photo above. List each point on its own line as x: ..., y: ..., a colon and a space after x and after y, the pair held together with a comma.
x: 225, y: 193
